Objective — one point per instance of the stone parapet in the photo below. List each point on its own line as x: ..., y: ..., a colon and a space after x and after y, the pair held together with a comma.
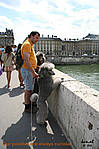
x: 76, y: 108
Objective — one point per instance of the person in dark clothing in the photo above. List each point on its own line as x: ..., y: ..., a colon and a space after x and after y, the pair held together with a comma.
x: 17, y: 66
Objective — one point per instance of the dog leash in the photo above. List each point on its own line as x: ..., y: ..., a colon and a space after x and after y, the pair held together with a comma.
x: 31, y: 136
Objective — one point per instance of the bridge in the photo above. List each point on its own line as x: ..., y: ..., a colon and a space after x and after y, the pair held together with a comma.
x: 73, y: 120
x: 76, y: 109
x: 16, y: 129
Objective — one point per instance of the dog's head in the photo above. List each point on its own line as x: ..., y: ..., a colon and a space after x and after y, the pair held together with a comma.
x: 46, y: 70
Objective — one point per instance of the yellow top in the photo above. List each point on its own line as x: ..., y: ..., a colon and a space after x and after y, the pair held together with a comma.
x: 27, y: 46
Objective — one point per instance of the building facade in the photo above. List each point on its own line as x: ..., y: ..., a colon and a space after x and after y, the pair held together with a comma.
x: 49, y: 45
x: 7, y: 37
x: 54, y: 46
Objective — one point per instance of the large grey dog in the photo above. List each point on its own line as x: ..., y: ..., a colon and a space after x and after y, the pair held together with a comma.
x: 46, y: 84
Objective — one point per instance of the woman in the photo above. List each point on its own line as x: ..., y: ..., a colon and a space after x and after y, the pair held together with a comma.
x: 40, y: 60
x: 8, y: 59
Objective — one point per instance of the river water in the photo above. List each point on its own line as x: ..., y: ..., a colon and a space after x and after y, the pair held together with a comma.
x: 88, y: 74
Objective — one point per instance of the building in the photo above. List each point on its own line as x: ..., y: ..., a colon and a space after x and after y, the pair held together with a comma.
x: 7, y: 37
x: 54, y: 46
x: 49, y: 45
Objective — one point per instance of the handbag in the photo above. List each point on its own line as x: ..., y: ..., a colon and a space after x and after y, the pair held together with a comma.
x: 0, y: 72
x: 5, y: 62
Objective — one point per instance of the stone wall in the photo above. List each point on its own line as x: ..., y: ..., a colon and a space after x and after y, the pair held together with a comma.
x: 76, y: 108
x: 72, y: 60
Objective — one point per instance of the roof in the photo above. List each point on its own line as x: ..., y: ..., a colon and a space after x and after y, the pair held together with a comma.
x: 50, y: 38
x: 91, y: 36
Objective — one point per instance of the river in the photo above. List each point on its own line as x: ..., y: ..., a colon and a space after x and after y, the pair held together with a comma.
x: 88, y: 74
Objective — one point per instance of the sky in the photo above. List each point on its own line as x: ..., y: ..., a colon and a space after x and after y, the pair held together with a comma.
x: 61, y: 18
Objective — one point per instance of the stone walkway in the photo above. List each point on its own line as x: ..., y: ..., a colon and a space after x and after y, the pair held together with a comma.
x: 15, y: 124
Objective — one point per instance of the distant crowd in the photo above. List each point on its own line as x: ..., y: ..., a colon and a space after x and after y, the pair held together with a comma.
x: 2, y: 50
x: 10, y: 60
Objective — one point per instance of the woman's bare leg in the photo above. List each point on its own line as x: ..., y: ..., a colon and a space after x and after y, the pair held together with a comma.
x: 9, y: 78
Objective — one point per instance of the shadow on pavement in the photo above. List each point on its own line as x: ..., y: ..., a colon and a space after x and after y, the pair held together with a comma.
x: 4, y: 90
x: 21, y: 133
x: 18, y: 133
x: 16, y: 91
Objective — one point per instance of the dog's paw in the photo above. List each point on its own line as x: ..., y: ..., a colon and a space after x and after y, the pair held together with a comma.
x: 62, y: 80
x: 58, y: 81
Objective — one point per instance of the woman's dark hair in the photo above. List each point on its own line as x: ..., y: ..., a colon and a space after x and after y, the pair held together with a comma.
x: 33, y: 33
x: 8, y: 49
x: 19, y: 46
x: 39, y: 54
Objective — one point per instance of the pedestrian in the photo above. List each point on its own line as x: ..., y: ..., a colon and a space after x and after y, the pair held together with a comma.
x: 40, y: 60
x: 18, y: 68
x: 0, y: 58
x: 14, y: 48
x: 29, y: 66
x: 8, y: 59
x: 1, y: 51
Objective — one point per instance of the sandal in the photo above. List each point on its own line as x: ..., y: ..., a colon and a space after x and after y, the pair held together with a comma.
x: 21, y: 84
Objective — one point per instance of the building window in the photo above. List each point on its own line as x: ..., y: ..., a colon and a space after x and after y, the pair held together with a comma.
x: 47, y: 45
x: 50, y: 44
x: 44, y: 45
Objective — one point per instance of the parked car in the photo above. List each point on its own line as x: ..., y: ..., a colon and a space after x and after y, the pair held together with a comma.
x: 85, y: 54
x: 94, y: 54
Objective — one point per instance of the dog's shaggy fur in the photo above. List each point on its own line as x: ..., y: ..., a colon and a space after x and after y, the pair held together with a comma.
x: 46, y: 84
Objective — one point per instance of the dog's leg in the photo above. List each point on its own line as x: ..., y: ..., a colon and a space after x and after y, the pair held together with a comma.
x: 42, y: 113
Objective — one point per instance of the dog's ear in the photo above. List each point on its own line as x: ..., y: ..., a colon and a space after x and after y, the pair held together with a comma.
x: 51, y: 72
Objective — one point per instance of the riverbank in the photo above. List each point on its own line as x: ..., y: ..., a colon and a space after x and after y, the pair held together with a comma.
x: 62, y: 60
